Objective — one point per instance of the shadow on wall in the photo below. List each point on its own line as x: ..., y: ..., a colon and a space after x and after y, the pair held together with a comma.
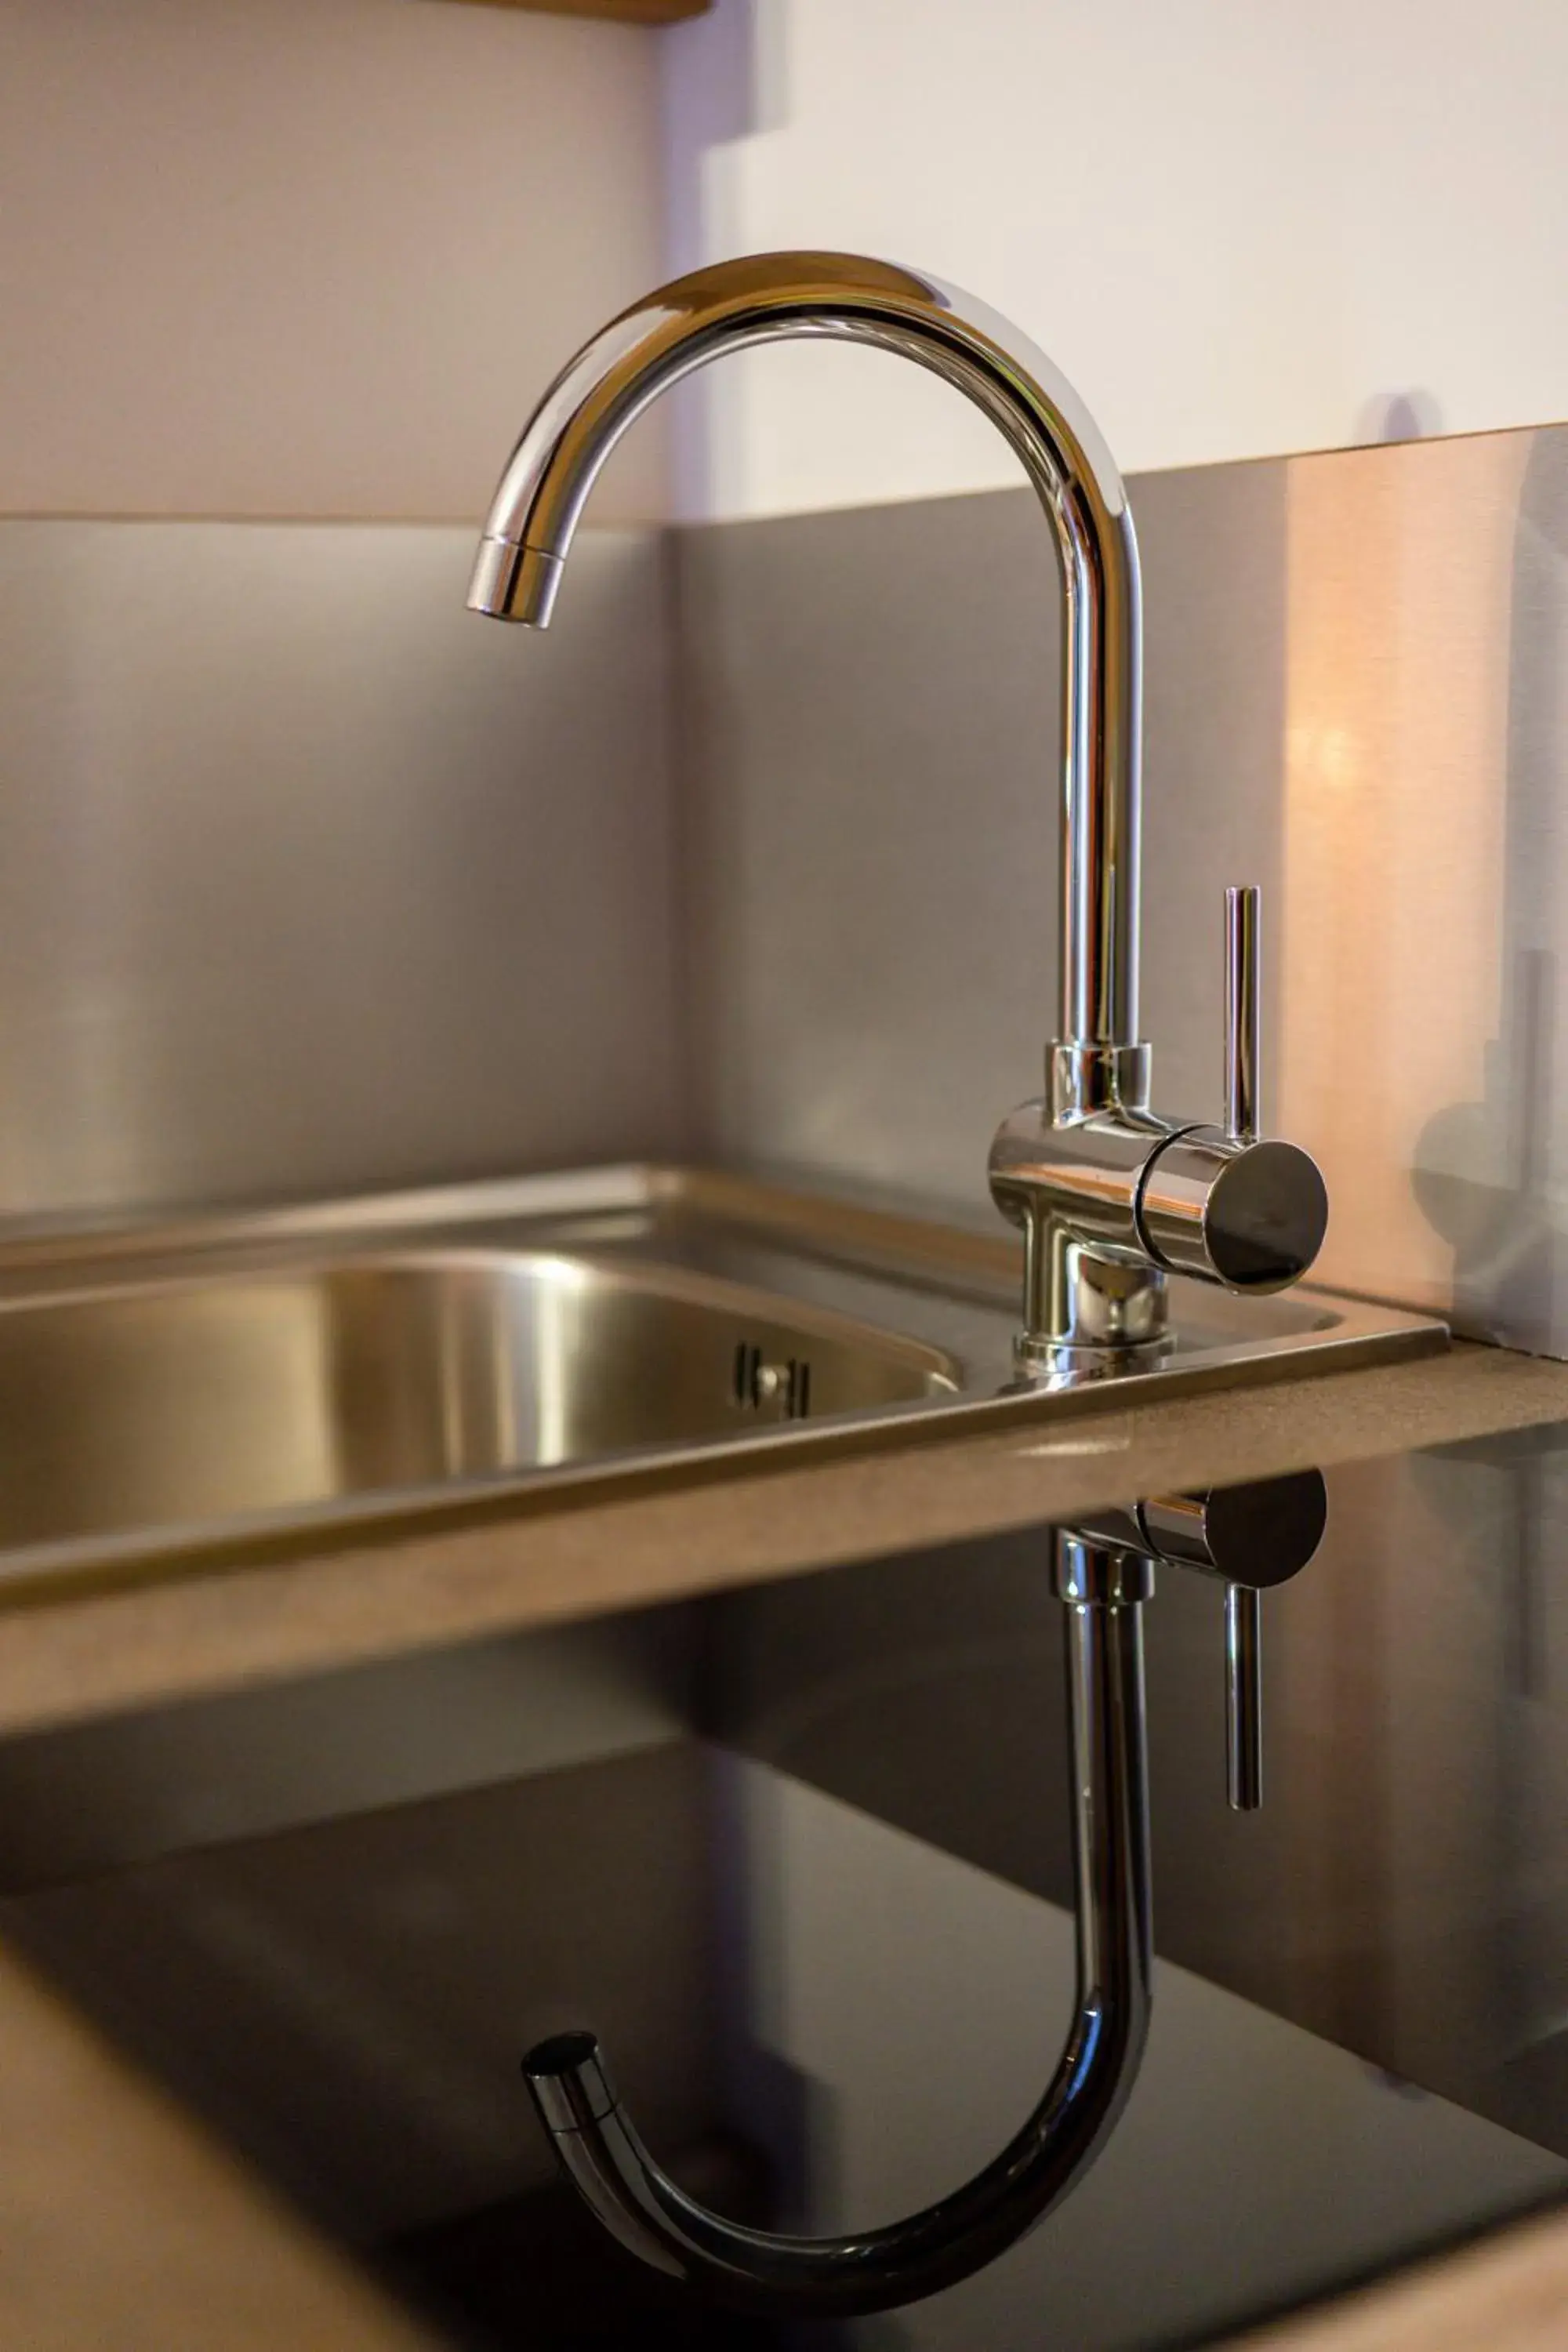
x: 1411, y: 415
x: 1489, y: 1175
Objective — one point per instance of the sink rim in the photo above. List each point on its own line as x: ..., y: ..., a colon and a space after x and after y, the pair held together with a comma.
x: 921, y: 1256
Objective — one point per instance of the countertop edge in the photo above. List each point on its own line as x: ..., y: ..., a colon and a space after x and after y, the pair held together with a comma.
x: 92, y: 1652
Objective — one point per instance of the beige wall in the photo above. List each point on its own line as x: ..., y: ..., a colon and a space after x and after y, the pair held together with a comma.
x: 308, y: 257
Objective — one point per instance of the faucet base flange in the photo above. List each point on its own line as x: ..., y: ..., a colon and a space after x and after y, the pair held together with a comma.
x: 1048, y: 1364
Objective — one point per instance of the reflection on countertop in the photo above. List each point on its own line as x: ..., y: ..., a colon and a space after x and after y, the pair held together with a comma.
x: 802, y: 1851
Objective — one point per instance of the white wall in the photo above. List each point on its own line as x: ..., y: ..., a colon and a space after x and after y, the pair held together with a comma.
x: 1241, y: 229
x: 316, y: 256
x: 313, y: 257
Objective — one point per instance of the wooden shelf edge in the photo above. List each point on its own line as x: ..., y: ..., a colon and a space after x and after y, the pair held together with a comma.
x: 620, y: 12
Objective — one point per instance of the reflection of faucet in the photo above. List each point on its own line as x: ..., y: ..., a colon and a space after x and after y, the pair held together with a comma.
x: 1252, y: 1537
x: 875, y: 2270
x: 1110, y: 1197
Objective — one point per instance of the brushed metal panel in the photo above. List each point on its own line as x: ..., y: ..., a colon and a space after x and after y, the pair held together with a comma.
x: 869, y: 785
x: 866, y: 839
x: 308, y: 881
x: 1357, y: 695
x: 272, y: 1395
x: 1428, y: 715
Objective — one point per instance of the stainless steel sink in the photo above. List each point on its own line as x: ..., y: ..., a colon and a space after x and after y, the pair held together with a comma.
x: 183, y: 1387
x: 207, y: 1398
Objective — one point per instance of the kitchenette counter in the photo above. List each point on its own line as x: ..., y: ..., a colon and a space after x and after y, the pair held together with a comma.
x: 123, y: 2225
x: 273, y: 1609
x: 1354, y: 2047
x: 1356, y: 2041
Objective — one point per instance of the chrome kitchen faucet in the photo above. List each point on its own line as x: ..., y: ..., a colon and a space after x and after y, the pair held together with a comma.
x: 1112, y: 1197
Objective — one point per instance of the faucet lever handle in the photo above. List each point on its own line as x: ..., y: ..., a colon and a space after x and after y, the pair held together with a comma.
x: 1243, y: 1018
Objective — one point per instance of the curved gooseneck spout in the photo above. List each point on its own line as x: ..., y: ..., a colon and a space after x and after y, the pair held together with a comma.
x: 876, y: 2269
x: 770, y: 298
x: 1110, y: 1198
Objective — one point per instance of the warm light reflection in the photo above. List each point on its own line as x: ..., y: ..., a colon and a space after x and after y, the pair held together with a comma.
x: 1398, y: 603
x: 556, y: 1281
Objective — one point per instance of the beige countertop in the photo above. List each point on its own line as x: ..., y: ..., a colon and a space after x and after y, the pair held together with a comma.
x: 307, y: 1604
x: 1509, y: 2293
x: 123, y: 2225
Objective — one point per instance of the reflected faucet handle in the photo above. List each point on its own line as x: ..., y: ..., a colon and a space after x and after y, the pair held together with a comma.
x: 1243, y: 1010
x: 1243, y: 1697
x: 1250, y: 1537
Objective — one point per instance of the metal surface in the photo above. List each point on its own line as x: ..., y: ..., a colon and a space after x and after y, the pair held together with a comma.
x: 1354, y: 670
x: 1254, y: 1537
x: 898, y: 2263
x: 1097, y: 1070
x: 285, y: 846
x: 1251, y: 1216
x: 176, y: 1393
x: 1242, y: 1698
x: 169, y: 1404
x: 772, y: 298
x: 1267, y: 1229
x: 1149, y: 1196
x: 1243, y: 1011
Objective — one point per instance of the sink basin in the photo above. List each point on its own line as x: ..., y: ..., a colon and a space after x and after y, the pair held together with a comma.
x: 181, y: 1390
x: 210, y: 1398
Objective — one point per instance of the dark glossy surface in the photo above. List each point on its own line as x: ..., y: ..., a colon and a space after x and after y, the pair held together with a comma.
x: 802, y: 1855
x: 947, y: 2240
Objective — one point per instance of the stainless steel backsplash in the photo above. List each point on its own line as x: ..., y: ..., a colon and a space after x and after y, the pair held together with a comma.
x: 1357, y: 695
x: 308, y: 881
x: 311, y: 881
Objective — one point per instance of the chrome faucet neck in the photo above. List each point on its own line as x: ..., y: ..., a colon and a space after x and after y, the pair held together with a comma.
x: 1110, y: 1200
x: 1096, y: 1062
